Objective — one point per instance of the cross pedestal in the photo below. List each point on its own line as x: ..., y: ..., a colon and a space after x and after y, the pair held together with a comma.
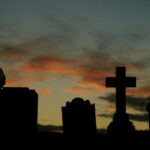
x: 120, y: 124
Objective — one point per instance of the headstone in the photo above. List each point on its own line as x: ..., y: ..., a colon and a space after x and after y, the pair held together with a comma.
x: 148, y: 110
x: 121, y: 124
x: 19, y: 108
x: 79, y: 118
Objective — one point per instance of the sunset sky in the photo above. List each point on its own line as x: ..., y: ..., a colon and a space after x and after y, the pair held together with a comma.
x: 65, y: 48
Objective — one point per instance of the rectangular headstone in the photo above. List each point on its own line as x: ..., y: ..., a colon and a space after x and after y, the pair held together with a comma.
x: 18, y: 110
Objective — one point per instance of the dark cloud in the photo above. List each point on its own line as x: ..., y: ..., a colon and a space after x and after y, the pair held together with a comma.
x: 105, y: 61
x: 11, y: 52
x: 49, y: 128
x: 102, y: 131
x: 58, y: 39
x: 134, y: 117
x: 137, y: 103
x: 55, y: 128
x: 124, y: 40
x: 126, y: 46
x: 138, y: 117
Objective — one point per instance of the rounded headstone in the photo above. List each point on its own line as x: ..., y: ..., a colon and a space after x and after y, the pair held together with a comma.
x: 77, y: 101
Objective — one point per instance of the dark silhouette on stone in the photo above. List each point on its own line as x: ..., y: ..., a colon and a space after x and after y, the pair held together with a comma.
x: 79, y: 118
x: 121, y: 124
x: 148, y: 109
x: 19, y: 109
x: 2, y: 78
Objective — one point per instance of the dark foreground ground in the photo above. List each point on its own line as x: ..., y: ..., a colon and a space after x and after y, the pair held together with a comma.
x: 140, y: 140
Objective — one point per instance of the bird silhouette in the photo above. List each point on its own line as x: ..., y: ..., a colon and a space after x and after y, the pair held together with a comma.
x: 2, y: 78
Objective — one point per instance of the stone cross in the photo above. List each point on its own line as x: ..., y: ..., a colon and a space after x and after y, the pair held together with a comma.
x: 121, y: 82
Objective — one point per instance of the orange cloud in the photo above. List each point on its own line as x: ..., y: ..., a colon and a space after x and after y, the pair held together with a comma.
x: 45, y: 64
x: 82, y: 90
x: 44, y: 91
x: 92, y: 72
x: 112, y: 109
x: 139, y: 92
x: 91, y: 84
x: 19, y: 80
